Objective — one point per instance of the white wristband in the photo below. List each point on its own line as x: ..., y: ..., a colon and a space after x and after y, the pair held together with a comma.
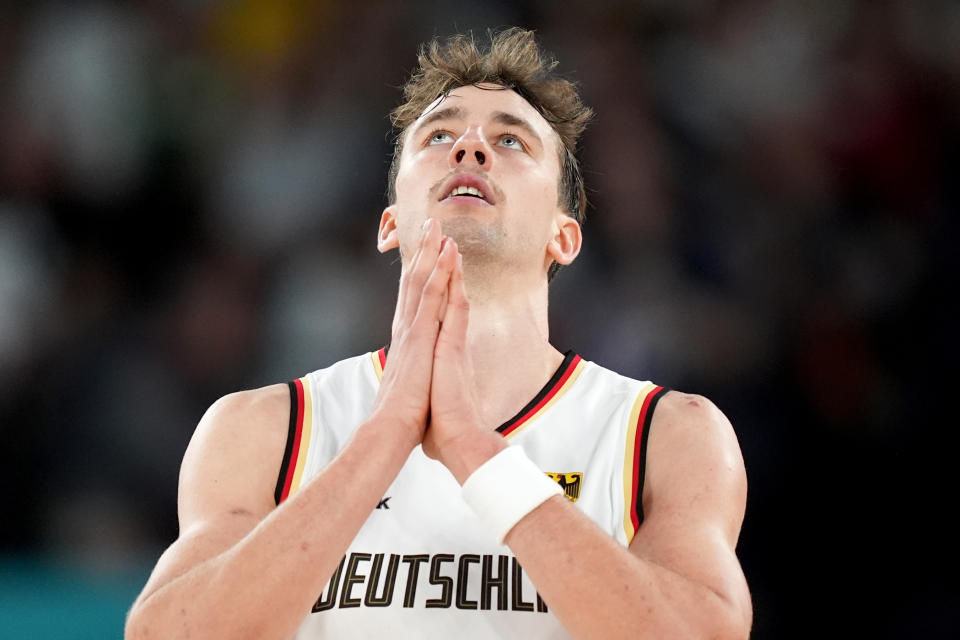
x: 505, y: 488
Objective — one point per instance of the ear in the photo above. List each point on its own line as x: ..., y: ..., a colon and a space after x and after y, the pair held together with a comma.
x: 564, y: 246
x: 387, y: 236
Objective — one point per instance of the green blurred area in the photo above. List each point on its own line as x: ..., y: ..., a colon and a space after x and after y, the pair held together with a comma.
x: 42, y: 599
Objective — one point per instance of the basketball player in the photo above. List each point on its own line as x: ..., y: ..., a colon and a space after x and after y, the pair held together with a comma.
x: 471, y: 481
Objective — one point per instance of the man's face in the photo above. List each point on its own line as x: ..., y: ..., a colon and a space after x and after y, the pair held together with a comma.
x: 485, y: 164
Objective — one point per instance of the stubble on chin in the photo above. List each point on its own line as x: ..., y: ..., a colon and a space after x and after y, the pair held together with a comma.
x: 477, y: 240
x: 486, y: 254
x: 480, y: 242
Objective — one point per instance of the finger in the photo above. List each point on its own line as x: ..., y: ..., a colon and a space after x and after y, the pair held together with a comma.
x: 442, y: 309
x: 405, y: 275
x: 436, y: 287
x: 457, y: 313
x: 414, y: 277
x: 453, y: 254
x: 431, y: 244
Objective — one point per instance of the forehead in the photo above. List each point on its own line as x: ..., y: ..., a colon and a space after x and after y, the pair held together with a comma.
x: 480, y: 103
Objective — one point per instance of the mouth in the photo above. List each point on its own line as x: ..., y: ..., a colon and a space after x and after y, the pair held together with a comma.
x: 466, y: 188
x: 466, y: 191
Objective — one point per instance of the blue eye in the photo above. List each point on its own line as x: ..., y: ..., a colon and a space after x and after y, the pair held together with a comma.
x: 440, y: 137
x: 511, y: 142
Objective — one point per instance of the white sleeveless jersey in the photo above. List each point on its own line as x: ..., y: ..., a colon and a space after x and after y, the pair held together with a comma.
x: 423, y: 565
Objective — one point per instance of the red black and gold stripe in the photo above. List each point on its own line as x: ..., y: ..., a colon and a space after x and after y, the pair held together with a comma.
x: 635, y: 456
x: 298, y: 440
x: 556, y: 386
x: 379, y: 361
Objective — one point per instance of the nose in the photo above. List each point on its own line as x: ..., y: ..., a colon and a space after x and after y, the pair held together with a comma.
x: 471, y: 148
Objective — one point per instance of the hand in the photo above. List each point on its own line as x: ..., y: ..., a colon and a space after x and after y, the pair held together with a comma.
x: 456, y: 435
x: 404, y: 394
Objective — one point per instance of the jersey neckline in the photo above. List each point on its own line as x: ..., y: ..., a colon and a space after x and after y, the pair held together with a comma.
x: 549, y: 391
x: 560, y: 379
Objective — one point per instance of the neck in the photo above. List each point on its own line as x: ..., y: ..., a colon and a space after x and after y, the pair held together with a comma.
x: 508, y: 340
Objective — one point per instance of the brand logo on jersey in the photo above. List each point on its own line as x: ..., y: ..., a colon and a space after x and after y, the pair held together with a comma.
x: 569, y: 482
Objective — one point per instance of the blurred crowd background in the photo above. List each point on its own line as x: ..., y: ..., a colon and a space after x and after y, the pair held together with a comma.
x: 189, y: 198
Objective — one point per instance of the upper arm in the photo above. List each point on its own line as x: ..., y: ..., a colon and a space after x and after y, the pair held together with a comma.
x: 694, y: 498
x: 227, y: 478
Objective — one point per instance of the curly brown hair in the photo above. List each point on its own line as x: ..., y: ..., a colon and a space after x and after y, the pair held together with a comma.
x: 513, y: 61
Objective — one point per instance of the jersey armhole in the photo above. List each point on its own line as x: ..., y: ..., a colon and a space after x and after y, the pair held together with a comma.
x: 294, y: 429
x: 635, y: 460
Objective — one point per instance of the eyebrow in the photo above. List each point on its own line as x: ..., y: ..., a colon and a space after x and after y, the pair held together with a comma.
x: 448, y: 113
x: 500, y: 117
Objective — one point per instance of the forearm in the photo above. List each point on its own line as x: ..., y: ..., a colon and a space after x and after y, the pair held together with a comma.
x: 262, y: 586
x: 599, y: 589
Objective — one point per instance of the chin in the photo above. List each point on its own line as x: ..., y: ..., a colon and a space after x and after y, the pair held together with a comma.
x: 473, y: 235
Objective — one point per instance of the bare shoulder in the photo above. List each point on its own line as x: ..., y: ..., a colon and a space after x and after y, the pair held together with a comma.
x: 694, y: 500
x: 694, y: 460
x: 695, y: 420
x: 234, y: 456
